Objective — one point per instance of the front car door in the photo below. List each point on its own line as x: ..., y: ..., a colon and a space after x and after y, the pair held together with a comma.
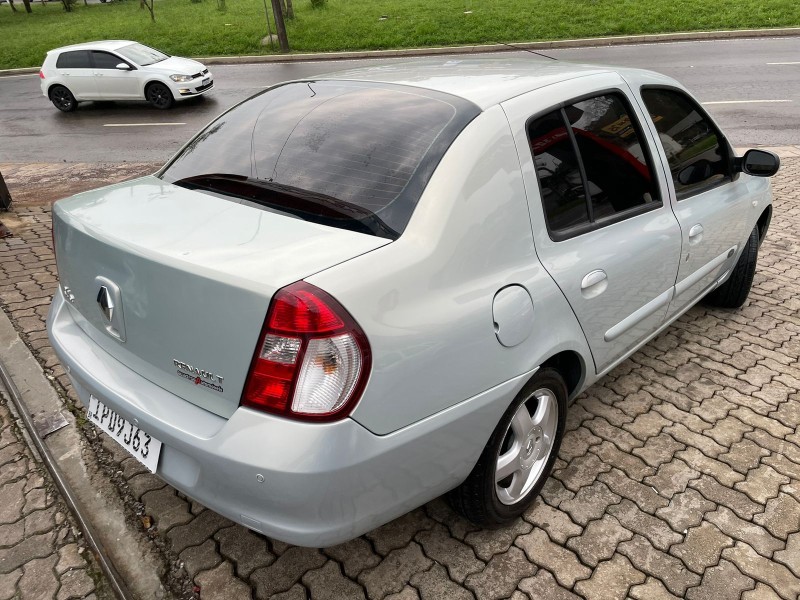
x: 710, y: 206
x: 603, y: 226
x: 75, y: 69
x: 114, y: 83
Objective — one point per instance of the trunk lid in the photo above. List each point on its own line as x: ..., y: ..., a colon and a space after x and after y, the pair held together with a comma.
x: 176, y: 283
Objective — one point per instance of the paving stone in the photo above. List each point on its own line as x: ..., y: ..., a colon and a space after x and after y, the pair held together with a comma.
x: 221, y: 584
x: 143, y: 483
x: 12, y: 500
x: 760, y: 592
x: 709, y: 466
x: 702, y: 547
x: 614, y: 434
x: 441, y: 511
x: 788, y: 413
x: 456, y: 556
x: 166, y: 508
x: 434, y: 584
x: 502, y: 574
x: 599, y: 541
x: 196, y: 531
x: 686, y: 436
x: 577, y: 443
x: 563, y: 563
x: 35, y: 546
x: 633, y: 466
x: 744, y: 456
x: 408, y: 593
x: 354, y: 556
x: 644, y: 496
x: 719, y: 494
x: 8, y: 584
x: 791, y: 555
x: 69, y: 557
x: 723, y: 582
x: 590, y: 503
x: 771, y: 426
x: 762, y: 484
x: 296, y: 592
x: 554, y: 492
x: 780, y: 517
x: 397, y: 533
x: 609, y: 412
x: 758, y: 537
x: 328, y: 583
x: 40, y: 521
x: 777, y: 576
x: 647, y: 425
x: 488, y: 542
x: 727, y: 432
x: 12, y: 534
x: 200, y: 558
x: 685, y: 510
x: 394, y: 571
x: 611, y: 580
x: 581, y: 471
x: 287, y: 570
x: 672, y: 478
x: 38, y: 579
x: 74, y: 585
x: 668, y: 569
x: 543, y: 585
x: 655, y: 530
x: 658, y: 449
x: 637, y: 403
x: 555, y: 522
x: 245, y: 549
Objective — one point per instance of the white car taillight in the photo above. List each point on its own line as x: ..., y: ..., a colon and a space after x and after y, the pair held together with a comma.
x: 312, y: 360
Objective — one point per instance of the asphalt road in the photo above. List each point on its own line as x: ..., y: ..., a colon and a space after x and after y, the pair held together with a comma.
x: 751, y: 86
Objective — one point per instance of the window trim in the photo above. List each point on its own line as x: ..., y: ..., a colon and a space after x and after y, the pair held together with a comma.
x: 577, y: 230
x: 731, y: 174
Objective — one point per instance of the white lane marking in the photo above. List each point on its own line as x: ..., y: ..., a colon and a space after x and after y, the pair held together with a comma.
x: 745, y: 102
x: 141, y: 124
x: 785, y: 63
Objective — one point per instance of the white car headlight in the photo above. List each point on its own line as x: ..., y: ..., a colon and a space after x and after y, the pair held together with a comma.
x: 181, y: 78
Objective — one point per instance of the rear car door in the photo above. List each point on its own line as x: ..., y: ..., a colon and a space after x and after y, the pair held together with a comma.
x: 75, y: 69
x: 113, y: 83
x: 603, y: 227
x: 710, y: 206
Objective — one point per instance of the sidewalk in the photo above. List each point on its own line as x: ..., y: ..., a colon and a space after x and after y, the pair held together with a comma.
x: 679, y: 475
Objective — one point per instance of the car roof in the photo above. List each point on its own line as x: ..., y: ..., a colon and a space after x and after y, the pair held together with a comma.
x: 98, y: 45
x: 485, y: 81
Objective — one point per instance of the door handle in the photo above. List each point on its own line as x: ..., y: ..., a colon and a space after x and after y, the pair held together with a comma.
x: 695, y: 231
x: 593, y: 278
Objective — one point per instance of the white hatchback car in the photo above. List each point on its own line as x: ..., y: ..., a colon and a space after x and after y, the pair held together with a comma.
x: 120, y: 70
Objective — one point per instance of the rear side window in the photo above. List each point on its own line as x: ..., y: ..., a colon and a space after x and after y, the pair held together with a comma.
x: 104, y: 60
x: 74, y: 59
x: 698, y: 158
x: 592, y: 166
x: 349, y: 154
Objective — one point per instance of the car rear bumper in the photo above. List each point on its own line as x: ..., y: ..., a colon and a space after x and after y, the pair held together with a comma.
x: 308, y: 484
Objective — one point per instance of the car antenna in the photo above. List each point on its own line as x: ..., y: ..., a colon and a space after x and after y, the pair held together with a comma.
x: 525, y: 50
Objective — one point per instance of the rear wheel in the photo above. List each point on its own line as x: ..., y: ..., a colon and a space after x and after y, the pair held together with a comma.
x: 518, y: 458
x: 159, y: 95
x: 62, y: 98
x: 733, y: 293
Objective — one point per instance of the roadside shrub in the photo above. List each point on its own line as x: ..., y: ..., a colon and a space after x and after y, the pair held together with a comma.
x: 317, y: 3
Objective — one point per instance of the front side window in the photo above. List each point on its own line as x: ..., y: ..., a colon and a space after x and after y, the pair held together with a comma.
x: 591, y: 164
x: 74, y: 59
x: 104, y: 60
x: 698, y: 158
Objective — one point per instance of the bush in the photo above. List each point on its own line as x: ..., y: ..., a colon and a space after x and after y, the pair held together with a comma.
x: 317, y: 3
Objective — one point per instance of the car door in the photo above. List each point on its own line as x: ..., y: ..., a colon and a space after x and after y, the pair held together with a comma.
x: 603, y: 227
x: 114, y: 83
x: 75, y: 69
x: 710, y: 206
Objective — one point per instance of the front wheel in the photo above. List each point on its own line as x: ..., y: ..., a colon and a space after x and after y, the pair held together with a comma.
x: 518, y: 458
x: 62, y: 98
x: 159, y: 96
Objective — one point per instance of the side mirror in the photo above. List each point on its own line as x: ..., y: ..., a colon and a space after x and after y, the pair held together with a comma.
x: 123, y: 67
x: 761, y: 163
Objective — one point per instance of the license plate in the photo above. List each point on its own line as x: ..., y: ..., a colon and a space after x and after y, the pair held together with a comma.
x: 142, y: 446
x: 206, y: 81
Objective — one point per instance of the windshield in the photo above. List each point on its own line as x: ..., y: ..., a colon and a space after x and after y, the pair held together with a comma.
x: 353, y: 155
x: 142, y: 55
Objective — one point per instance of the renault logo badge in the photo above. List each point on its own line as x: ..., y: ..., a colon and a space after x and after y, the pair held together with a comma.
x: 106, y: 303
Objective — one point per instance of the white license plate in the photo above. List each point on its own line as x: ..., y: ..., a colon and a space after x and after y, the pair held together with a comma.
x: 142, y: 446
x: 205, y: 81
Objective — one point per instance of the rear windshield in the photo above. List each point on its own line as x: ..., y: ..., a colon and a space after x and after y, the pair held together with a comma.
x: 353, y: 155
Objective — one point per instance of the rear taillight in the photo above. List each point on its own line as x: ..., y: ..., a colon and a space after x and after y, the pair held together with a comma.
x: 312, y: 360
x: 41, y: 74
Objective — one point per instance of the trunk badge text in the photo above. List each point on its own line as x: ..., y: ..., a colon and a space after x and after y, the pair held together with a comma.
x: 199, y: 376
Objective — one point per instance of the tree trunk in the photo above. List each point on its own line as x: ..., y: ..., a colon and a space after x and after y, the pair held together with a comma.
x: 280, y: 26
x: 289, y: 10
x: 11, y: 4
x: 27, y: 4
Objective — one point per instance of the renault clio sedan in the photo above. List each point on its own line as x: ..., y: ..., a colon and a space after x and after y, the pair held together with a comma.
x: 351, y: 294
x: 120, y: 70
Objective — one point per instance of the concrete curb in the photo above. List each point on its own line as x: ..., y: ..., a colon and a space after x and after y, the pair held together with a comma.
x: 687, y: 36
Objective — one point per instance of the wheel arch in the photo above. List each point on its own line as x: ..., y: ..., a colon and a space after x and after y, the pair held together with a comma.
x: 763, y: 223
x: 153, y: 80
x: 58, y: 84
x: 571, y: 367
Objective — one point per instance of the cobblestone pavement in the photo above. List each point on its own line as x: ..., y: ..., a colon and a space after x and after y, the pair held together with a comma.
x: 41, y: 554
x: 679, y: 475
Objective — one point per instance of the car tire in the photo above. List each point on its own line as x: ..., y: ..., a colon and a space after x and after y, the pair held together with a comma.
x: 733, y: 293
x: 531, y: 444
x: 159, y: 95
x: 62, y: 98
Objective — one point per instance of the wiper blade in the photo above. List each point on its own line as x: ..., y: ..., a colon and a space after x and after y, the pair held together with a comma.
x: 310, y: 206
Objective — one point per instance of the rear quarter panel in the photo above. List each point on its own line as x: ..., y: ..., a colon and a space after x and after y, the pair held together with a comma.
x: 425, y: 301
